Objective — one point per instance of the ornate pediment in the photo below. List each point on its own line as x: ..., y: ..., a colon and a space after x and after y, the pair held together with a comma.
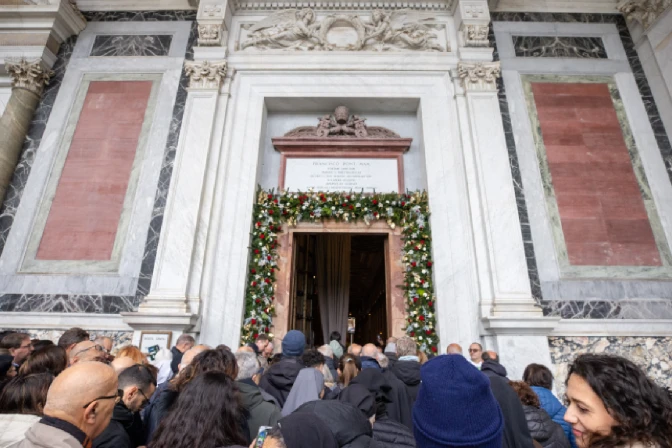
x: 341, y: 124
x: 300, y: 29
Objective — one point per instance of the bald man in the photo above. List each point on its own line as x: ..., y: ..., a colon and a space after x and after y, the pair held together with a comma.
x: 78, y: 409
x: 121, y: 364
x: 87, y: 351
x: 355, y: 349
x: 369, y: 357
x: 190, y: 354
x: 454, y: 349
x: 491, y: 366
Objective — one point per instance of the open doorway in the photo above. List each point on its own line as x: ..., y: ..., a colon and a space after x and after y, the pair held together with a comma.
x: 316, y: 278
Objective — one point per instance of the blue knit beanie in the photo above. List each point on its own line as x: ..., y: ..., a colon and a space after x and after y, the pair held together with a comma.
x: 293, y: 344
x: 455, y: 406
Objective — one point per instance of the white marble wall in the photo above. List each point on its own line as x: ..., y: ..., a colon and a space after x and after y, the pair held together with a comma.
x: 5, y: 93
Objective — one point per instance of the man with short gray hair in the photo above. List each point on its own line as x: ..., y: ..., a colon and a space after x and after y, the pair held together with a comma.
x: 260, y: 406
x: 407, y: 367
x: 328, y: 354
x: 184, y: 343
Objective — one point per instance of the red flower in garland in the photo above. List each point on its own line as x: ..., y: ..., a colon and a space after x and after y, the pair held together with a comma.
x: 266, y: 330
x: 256, y: 251
x: 375, y: 214
x: 375, y: 202
x: 257, y: 301
x: 254, y: 284
x: 414, y: 264
x: 270, y: 212
x: 253, y: 271
x: 269, y: 258
x: 284, y: 212
x: 270, y: 196
x: 344, y: 205
x: 431, y: 304
x: 262, y: 236
x: 434, y: 348
x: 415, y: 300
x: 272, y: 298
x: 429, y: 264
x: 253, y: 321
x: 403, y: 204
x: 275, y: 201
x: 352, y: 207
x: 412, y: 333
x: 429, y: 332
x: 267, y: 280
x: 258, y: 224
x: 421, y: 318
x: 255, y: 335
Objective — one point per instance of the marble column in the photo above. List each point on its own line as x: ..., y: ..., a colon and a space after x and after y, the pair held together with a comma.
x: 28, y: 81
x: 182, y: 229
x: 509, y: 312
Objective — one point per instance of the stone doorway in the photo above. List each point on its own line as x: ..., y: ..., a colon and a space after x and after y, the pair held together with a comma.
x: 295, y: 294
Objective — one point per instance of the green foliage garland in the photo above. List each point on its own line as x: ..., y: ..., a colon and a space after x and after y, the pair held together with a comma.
x: 410, y: 211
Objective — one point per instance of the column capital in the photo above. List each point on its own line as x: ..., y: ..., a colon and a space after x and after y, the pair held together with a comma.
x: 472, y: 18
x: 214, y: 17
x: 645, y: 12
x: 479, y: 76
x: 29, y: 75
x: 205, y: 75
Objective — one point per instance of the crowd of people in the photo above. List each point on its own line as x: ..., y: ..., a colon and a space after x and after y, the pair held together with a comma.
x: 76, y: 393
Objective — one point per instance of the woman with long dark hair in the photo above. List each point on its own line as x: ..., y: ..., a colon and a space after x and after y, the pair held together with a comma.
x: 50, y: 359
x: 612, y: 403
x: 217, y: 360
x: 21, y: 405
x: 206, y: 415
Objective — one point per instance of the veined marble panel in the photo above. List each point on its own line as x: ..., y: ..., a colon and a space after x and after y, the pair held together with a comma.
x: 131, y: 45
x: 653, y: 354
x: 559, y: 47
x: 97, y: 303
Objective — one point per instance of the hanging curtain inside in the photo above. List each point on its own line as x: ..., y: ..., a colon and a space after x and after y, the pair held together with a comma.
x: 333, y: 280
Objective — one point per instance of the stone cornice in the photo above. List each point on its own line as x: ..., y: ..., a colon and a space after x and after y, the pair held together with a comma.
x: 479, y: 76
x: 644, y: 12
x: 205, y: 75
x: 345, y: 5
x: 29, y: 75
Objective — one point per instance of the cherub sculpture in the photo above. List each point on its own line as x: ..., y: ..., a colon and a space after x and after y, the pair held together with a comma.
x: 288, y: 29
x: 401, y: 29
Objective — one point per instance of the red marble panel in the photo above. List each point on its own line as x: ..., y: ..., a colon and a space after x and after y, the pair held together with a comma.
x: 602, y: 212
x: 84, y: 215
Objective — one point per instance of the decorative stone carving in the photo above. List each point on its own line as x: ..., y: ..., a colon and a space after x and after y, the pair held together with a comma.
x: 295, y: 29
x: 643, y: 11
x: 345, y: 5
x: 476, y: 36
x: 205, y: 74
x: 212, y: 10
x: 479, y: 75
x: 342, y: 125
x: 209, y: 34
x: 29, y: 75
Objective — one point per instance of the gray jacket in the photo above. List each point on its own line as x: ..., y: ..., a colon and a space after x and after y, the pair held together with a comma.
x: 42, y: 436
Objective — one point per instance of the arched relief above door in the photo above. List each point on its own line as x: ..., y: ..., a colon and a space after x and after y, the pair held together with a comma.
x: 342, y: 153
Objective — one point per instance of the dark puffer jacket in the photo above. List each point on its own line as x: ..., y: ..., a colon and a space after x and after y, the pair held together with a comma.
x: 409, y: 373
x: 391, y: 434
x: 544, y: 430
x: 349, y: 426
x: 280, y: 377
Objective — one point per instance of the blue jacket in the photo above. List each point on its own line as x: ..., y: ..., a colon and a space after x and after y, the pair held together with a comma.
x: 556, y: 410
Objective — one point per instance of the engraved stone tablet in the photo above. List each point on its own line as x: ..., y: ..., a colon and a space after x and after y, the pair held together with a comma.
x: 342, y: 174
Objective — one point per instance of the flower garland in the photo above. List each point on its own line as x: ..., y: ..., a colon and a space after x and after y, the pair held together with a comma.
x: 410, y: 211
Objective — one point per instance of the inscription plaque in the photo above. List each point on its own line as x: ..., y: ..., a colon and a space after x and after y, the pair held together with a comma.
x: 342, y: 174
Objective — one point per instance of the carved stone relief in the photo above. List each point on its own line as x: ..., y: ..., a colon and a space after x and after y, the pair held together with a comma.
x: 296, y: 29
x: 643, y: 11
x: 213, y: 10
x: 29, y: 75
x: 205, y: 74
x: 342, y: 124
x: 476, y: 36
x: 479, y: 76
x: 209, y: 34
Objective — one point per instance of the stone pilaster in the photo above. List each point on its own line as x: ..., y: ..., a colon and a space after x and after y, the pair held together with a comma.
x: 472, y: 18
x: 213, y: 18
x: 28, y: 81
x: 174, y: 293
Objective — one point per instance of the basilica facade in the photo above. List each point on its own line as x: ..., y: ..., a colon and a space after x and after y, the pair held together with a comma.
x: 499, y: 170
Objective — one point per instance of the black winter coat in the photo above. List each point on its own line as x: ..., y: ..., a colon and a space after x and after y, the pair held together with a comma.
x: 491, y: 368
x: 124, y: 430
x: 280, y: 377
x: 516, y: 434
x: 544, y: 430
x: 391, y: 434
x: 349, y: 426
x: 400, y: 408
x: 409, y: 373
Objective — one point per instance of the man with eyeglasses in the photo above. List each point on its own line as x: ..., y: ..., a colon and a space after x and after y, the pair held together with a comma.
x: 476, y: 353
x: 78, y: 408
x: 137, y: 384
x: 19, y: 347
x: 87, y: 351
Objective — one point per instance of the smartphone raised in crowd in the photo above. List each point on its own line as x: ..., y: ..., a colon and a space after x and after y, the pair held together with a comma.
x: 261, y: 436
